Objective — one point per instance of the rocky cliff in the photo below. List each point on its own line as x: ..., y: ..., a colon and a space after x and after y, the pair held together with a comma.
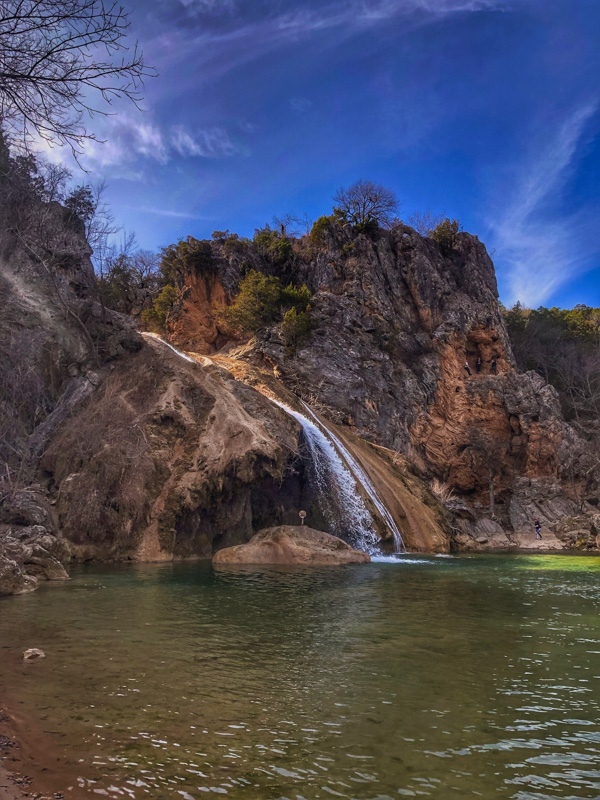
x: 119, y: 447
x: 396, y: 318
x: 116, y: 446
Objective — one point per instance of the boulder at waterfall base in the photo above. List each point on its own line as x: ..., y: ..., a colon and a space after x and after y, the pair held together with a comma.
x: 291, y: 544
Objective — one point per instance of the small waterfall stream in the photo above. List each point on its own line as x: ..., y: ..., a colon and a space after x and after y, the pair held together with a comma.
x: 337, y: 487
x: 157, y: 338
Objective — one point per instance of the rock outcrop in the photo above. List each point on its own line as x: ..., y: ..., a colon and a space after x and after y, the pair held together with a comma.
x: 395, y: 320
x: 57, y: 344
x: 170, y: 459
x: 28, y: 556
x: 291, y: 544
x: 30, y: 551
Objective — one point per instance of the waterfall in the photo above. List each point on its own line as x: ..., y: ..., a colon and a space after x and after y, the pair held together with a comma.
x: 339, y: 474
x: 362, y: 477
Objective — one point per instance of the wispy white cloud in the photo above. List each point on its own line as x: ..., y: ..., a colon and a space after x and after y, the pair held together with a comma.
x: 212, y: 143
x: 166, y: 212
x: 300, y: 105
x: 129, y: 141
x: 246, y: 38
x: 538, y: 248
x: 210, y: 6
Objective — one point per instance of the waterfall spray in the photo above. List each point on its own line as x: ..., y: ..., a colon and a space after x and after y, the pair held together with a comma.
x: 337, y: 471
x: 362, y: 477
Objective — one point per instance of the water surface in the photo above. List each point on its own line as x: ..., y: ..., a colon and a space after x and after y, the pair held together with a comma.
x: 433, y: 677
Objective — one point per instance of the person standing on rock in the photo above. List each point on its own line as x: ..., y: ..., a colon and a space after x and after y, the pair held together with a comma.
x: 494, y: 369
x: 538, y: 528
x: 478, y: 364
x: 467, y: 368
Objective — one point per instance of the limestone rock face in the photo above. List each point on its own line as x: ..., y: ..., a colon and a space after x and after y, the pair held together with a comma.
x: 142, y: 453
x: 291, y: 544
x: 29, y: 555
x: 56, y: 345
x: 170, y: 459
x: 395, y: 320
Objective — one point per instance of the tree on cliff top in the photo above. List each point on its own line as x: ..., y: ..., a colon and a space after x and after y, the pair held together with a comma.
x: 366, y: 203
x: 60, y: 60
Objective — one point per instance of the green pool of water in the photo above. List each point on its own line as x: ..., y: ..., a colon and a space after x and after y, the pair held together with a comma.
x: 432, y: 677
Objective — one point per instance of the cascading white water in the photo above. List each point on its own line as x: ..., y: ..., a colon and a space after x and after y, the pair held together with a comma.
x: 158, y: 338
x: 360, y: 474
x: 334, y: 477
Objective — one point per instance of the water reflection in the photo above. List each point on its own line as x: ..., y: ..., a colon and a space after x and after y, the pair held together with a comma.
x: 428, y: 678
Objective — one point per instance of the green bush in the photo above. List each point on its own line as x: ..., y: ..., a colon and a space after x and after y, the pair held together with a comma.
x: 260, y: 301
x: 275, y: 245
x: 295, y: 328
x: 296, y: 296
x: 236, y: 244
x: 156, y: 315
x: 446, y: 234
x: 256, y: 305
x: 320, y: 229
x: 188, y: 256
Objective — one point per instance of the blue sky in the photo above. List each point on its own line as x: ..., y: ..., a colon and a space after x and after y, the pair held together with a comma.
x: 486, y: 110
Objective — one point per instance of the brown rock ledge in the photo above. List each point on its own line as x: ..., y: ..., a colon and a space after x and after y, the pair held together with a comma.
x: 291, y: 544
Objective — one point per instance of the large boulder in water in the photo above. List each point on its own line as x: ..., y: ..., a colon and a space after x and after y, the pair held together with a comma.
x: 291, y: 544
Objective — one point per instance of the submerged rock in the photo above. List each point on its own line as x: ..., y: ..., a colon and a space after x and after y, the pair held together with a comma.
x: 291, y: 544
x: 33, y: 654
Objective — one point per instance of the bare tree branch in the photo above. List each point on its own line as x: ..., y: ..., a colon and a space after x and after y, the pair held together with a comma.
x: 60, y: 62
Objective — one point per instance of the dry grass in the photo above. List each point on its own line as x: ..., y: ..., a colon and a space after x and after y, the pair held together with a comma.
x: 441, y: 490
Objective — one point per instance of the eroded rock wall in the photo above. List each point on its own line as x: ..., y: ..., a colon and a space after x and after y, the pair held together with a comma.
x: 164, y: 460
x: 395, y: 321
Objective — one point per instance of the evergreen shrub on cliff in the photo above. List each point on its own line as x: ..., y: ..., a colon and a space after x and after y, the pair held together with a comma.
x: 260, y: 302
x: 295, y: 329
x: 276, y: 246
x: 189, y: 256
x: 320, y: 229
x: 156, y: 316
x: 446, y: 235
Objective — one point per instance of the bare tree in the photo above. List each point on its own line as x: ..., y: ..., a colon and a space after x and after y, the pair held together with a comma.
x: 366, y: 202
x: 61, y: 60
x: 56, y: 178
x: 424, y: 221
x: 291, y: 225
x: 145, y: 268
